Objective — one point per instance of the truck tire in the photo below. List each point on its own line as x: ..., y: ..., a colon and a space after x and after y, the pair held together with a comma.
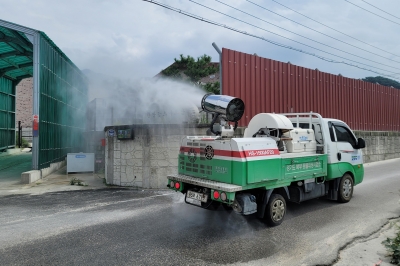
x: 345, y: 188
x: 275, y: 210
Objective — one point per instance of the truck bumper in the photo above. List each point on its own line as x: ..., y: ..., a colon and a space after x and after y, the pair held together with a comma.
x: 205, y: 183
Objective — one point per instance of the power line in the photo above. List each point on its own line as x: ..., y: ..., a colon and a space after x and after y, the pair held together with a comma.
x: 380, y: 9
x: 334, y: 29
x: 298, y: 41
x: 310, y: 38
x: 372, y: 12
x: 261, y: 38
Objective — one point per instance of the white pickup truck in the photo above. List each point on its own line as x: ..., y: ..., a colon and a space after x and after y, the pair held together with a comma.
x: 281, y: 157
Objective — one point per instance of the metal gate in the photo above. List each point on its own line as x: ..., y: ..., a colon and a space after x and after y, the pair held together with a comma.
x: 61, y: 101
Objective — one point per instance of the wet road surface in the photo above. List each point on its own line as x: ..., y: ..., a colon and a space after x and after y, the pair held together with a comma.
x: 135, y: 227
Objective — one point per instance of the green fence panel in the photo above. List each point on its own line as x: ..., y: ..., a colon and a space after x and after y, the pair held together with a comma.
x: 7, y: 113
x: 62, y: 105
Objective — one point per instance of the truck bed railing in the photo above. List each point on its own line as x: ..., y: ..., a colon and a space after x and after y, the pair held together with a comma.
x: 309, y: 115
x: 310, y: 118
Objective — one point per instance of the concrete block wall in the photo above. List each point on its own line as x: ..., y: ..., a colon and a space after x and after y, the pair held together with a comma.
x: 30, y: 176
x: 380, y: 145
x: 34, y: 175
x: 52, y: 168
x: 146, y: 160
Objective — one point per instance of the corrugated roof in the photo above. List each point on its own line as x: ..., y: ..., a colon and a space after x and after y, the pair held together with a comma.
x: 16, y: 50
x: 16, y: 54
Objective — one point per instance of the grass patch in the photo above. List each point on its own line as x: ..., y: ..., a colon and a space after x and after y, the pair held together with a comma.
x: 24, y: 144
x: 393, y: 246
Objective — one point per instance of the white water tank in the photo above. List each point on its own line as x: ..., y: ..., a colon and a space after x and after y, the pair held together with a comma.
x: 80, y: 162
x: 301, y: 140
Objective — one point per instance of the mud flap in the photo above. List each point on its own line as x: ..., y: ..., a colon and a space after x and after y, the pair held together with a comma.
x: 333, y: 189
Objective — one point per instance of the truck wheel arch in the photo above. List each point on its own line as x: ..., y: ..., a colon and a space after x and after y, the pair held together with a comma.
x: 351, y: 175
x: 348, y: 169
x: 339, y: 178
x: 283, y: 191
x: 333, y: 193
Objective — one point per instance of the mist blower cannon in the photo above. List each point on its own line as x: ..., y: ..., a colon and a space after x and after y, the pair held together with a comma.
x: 225, y: 109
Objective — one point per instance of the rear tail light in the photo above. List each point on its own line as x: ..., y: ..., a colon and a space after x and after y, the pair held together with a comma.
x: 216, y: 194
x: 177, y: 185
x: 171, y: 184
x: 223, y: 196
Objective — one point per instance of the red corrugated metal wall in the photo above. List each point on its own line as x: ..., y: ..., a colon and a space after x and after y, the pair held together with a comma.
x: 268, y: 86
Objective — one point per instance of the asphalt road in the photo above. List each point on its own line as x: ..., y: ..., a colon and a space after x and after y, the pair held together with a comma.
x: 134, y: 227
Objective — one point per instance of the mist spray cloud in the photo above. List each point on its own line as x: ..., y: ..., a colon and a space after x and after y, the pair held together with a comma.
x: 145, y: 101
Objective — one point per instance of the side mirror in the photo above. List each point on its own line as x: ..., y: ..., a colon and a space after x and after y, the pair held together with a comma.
x: 361, y: 143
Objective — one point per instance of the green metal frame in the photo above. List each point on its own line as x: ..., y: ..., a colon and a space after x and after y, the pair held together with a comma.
x: 59, y: 93
x: 62, y: 104
x: 15, y: 64
x: 7, y: 114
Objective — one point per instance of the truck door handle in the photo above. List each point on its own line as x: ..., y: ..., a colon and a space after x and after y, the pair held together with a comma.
x: 339, y: 156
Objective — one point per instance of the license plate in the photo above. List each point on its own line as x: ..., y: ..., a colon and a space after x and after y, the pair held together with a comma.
x: 197, y: 196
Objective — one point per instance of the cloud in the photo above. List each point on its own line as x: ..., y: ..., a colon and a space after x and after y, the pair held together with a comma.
x: 135, y: 38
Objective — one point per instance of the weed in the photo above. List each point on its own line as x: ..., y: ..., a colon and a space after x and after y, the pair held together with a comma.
x: 24, y: 144
x: 105, y: 182
x: 77, y: 182
x: 393, y: 246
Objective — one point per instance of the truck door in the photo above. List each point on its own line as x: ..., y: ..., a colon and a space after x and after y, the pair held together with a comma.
x: 346, y: 154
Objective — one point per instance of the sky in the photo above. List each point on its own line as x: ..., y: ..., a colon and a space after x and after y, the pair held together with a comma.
x: 131, y: 39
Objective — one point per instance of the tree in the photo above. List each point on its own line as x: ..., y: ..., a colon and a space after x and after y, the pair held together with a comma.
x: 383, y: 81
x: 189, y: 69
x: 212, y: 87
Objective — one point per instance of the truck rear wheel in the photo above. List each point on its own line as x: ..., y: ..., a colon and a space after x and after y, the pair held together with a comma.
x: 345, y: 188
x: 275, y: 210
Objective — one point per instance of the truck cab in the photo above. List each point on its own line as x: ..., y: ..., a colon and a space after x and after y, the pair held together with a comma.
x: 335, y: 138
